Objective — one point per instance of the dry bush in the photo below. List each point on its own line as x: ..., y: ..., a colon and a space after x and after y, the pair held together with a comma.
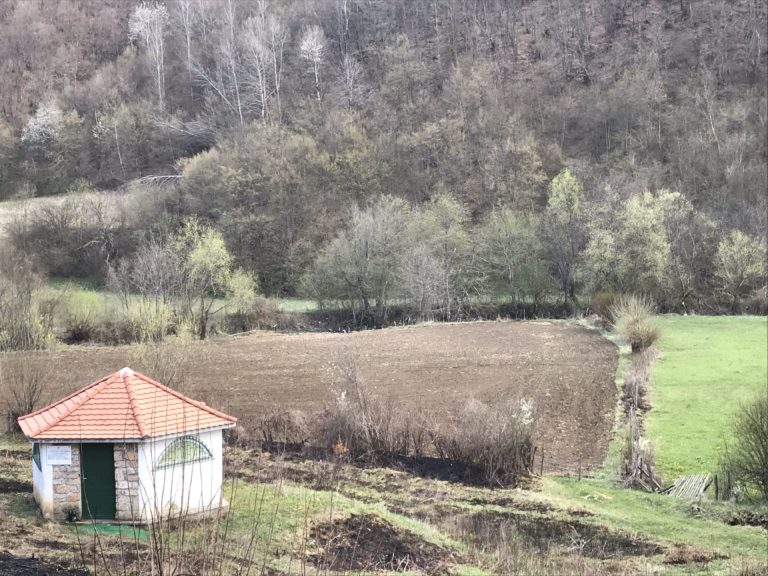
x: 287, y: 427
x: 634, y: 321
x: 602, y: 304
x: 636, y: 376
x: 23, y: 382
x: 758, y: 302
x: 263, y: 313
x: 498, y: 439
x: 365, y: 425
x: 166, y: 362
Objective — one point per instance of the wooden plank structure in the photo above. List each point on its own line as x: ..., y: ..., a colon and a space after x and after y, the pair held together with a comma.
x: 689, y: 487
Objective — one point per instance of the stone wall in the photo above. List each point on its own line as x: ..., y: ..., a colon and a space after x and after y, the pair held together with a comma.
x: 127, y: 482
x: 66, y: 486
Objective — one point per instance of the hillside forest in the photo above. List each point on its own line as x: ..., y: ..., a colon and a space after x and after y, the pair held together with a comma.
x: 420, y: 155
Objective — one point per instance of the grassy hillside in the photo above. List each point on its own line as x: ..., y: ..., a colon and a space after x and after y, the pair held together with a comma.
x: 708, y: 367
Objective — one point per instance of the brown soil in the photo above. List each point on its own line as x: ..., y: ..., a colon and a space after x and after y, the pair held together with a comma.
x: 13, y: 566
x: 367, y: 542
x: 567, y: 370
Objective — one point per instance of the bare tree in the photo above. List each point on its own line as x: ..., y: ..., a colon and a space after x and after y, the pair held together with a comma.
x: 148, y: 26
x: 23, y: 382
x: 423, y: 280
x: 258, y: 59
x: 230, y: 53
x: 278, y: 37
x: 185, y: 19
x: 312, y: 49
x: 351, y: 88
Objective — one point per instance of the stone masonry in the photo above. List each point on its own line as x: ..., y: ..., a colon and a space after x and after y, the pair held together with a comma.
x: 127, y: 482
x: 66, y: 486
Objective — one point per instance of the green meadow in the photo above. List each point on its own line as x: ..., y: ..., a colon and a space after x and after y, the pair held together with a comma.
x: 709, y: 366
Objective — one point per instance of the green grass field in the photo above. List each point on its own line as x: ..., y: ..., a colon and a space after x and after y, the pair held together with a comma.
x: 708, y: 367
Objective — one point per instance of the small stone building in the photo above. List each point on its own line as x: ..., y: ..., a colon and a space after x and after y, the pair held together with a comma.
x: 126, y: 448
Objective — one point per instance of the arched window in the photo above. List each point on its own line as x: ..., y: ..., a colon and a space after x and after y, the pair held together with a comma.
x: 36, y: 455
x: 183, y: 451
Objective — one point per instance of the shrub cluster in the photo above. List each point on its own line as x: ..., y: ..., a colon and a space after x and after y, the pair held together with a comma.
x: 369, y: 427
x: 497, y: 439
x: 496, y: 442
x: 633, y: 320
x: 745, y: 462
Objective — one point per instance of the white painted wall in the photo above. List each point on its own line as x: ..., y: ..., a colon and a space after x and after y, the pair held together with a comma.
x: 183, y: 489
x: 42, y: 483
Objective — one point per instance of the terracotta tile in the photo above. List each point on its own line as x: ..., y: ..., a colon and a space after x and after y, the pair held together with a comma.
x: 123, y: 405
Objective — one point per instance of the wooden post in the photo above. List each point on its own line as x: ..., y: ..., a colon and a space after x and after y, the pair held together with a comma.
x: 579, y: 468
x: 541, y: 468
x: 717, y: 489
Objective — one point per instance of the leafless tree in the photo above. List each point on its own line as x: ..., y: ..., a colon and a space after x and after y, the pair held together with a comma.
x: 312, y: 50
x: 185, y: 20
x: 278, y: 37
x: 230, y: 53
x: 148, y: 26
x: 423, y: 280
x: 23, y: 382
x: 257, y: 61
x: 351, y: 88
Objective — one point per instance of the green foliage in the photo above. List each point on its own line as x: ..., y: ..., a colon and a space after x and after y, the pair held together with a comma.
x: 435, y: 269
x: 147, y: 321
x: 630, y: 251
x: 691, y: 236
x: 360, y: 265
x: 84, y: 315
x: 633, y: 319
x: 207, y: 274
x: 740, y: 265
x: 563, y: 230
x: 511, y: 255
x: 746, y: 456
x: 645, y: 248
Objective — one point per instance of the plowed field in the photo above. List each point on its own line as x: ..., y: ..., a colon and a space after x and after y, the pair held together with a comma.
x: 567, y: 371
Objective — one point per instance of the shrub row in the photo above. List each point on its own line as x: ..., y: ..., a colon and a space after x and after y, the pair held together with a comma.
x: 495, y: 442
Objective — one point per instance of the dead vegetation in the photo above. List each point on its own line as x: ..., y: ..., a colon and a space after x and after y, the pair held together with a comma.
x: 366, y: 542
x: 637, y: 465
x: 24, y: 382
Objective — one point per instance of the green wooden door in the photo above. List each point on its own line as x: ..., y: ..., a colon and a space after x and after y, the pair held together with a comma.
x: 98, y: 481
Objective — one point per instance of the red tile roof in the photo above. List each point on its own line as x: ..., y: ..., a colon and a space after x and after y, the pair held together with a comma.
x: 124, y: 405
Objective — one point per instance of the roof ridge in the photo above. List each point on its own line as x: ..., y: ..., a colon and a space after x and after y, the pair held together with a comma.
x: 86, y: 398
x: 132, y: 400
x: 195, y: 403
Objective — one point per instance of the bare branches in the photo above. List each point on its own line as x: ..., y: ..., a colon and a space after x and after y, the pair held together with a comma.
x: 312, y: 49
x: 148, y: 26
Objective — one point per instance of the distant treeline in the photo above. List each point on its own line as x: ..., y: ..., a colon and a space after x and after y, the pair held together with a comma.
x: 401, y: 151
